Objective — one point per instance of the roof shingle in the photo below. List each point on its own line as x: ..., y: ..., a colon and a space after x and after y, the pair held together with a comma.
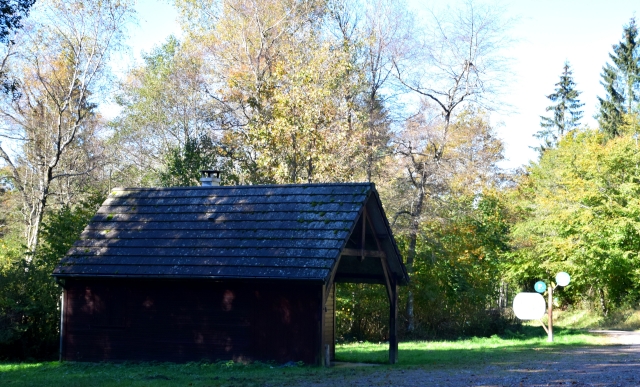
x: 278, y: 231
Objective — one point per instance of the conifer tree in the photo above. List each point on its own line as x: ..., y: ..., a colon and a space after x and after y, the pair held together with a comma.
x: 566, y: 111
x: 621, y: 81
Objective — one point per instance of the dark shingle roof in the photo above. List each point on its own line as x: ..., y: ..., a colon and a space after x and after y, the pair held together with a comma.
x: 271, y: 231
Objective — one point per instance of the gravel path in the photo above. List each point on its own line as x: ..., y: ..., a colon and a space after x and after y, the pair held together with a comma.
x: 612, y: 365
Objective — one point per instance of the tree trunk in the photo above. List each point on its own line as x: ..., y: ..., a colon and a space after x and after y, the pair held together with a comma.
x: 37, y: 211
x: 603, y: 303
x: 409, y: 265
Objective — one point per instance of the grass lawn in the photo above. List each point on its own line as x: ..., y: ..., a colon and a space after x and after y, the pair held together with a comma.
x: 467, y: 351
x: 66, y: 374
x: 411, y: 354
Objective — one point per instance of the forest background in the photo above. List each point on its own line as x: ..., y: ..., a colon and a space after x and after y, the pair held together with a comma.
x: 305, y: 91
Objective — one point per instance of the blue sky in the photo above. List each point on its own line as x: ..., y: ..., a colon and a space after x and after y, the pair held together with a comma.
x: 551, y: 32
x: 548, y: 32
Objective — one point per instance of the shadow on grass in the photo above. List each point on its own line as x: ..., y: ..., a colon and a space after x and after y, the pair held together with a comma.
x: 527, y: 341
x: 526, y: 344
x: 70, y: 374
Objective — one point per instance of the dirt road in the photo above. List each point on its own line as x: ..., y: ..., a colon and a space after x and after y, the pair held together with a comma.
x: 617, y: 364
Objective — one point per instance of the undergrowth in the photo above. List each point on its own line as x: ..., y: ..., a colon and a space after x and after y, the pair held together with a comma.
x: 624, y: 319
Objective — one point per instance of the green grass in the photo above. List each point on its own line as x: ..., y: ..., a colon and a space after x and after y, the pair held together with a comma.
x: 69, y: 374
x: 468, y: 351
x: 531, y: 342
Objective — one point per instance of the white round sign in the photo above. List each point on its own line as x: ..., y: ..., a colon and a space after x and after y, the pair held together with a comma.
x: 529, y: 306
x: 562, y: 278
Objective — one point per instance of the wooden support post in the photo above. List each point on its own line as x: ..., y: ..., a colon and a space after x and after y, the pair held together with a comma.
x: 393, y: 329
x: 550, y: 313
x: 62, y: 323
x: 334, y: 322
x: 364, y: 232
x: 321, y: 350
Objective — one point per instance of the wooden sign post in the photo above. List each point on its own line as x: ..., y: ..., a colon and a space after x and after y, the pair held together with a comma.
x: 550, y: 313
x: 526, y: 309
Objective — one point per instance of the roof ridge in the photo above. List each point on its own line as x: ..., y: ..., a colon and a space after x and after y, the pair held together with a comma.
x: 246, y: 186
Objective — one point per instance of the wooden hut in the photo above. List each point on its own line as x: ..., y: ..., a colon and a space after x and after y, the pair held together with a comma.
x: 237, y: 272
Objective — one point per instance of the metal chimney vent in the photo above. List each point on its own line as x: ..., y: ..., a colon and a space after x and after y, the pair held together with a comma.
x: 210, y: 178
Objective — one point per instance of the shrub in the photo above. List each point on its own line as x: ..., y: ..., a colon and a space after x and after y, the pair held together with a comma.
x: 29, y: 295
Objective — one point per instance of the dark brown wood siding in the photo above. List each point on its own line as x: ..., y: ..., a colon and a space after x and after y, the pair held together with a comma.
x: 190, y: 320
x: 328, y: 334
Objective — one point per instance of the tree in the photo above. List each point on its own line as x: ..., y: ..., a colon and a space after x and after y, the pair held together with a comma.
x: 566, y: 113
x: 378, y: 31
x: 621, y: 81
x: 439, y: 162
x: 167, y: 112
x: 29, y: 296
x: 460, y: 59
x: 183, y: 164
x: 60, y: 65
x: 579, y: 212
x: 457, y: 279
x: 458, y: 67
x: 289, y: 88
x: 11, y: 14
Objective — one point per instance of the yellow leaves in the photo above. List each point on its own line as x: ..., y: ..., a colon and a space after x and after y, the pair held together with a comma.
x: 298, y: 124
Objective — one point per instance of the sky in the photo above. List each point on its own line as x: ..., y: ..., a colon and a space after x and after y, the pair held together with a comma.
x: 552, y: 32
x: 548, y: 33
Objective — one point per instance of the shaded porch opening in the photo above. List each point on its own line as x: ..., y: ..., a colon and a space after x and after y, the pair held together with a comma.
x: 363, y: 261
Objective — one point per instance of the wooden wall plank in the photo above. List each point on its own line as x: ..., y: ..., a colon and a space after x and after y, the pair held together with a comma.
x: 189, y: 320
x: 330, y: 322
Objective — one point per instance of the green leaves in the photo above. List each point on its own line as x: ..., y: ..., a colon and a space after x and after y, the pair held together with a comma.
x: 182, y: 165
x: 580, y: 210
x: 29, y: 295
x: 165, y: 133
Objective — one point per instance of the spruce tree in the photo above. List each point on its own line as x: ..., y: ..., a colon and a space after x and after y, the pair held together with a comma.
x: 566, y: 111
x: 621, y: 81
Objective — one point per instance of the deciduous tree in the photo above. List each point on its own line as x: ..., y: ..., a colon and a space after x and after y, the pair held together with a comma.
x: 579, y: 213
x: 11, y: 15
x: 378, y: 32
x: 460, y: 64
x: 288, y: 85
x: 60, y: 64
x: 439, y: 162
x: 166, y: 112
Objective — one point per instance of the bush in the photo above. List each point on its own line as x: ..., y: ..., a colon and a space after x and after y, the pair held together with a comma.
x: 29, y: 295
x: 455, y: 281
x: 362, y: 313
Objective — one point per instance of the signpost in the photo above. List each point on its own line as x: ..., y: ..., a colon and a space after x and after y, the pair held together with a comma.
x: 540, y: 287
x: 530, y: 306
x: 562, y: 279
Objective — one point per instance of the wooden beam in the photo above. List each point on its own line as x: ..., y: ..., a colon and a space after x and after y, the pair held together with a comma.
x: 331, y: 280
x: 393, y: 329
x: 321, y: 351
x: 392, y: 293
x: 387, y: 278
x: 359, y: 280
x: 62, y: 327
x: 362, y: 236
x: 366, y: 253
x: 333, y: 345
